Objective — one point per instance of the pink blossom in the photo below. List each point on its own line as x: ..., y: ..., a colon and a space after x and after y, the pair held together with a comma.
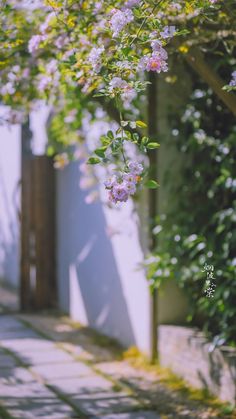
x: 156, y: 63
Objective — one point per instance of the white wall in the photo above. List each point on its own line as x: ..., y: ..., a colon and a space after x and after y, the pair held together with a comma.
x: 9, y: 203
x: 10, y: 188
x: 100, y: 284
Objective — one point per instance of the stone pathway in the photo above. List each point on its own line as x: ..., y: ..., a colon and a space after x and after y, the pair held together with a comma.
x: 52, y: 368
x: 43, y: 378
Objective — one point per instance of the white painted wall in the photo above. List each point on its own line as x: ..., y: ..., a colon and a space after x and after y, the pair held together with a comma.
x: 100, y: 282
x: 9, y: 203
x: 10, y: 188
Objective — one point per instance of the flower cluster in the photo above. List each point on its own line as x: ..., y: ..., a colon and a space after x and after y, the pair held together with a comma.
x: 119, y: 19
x: 119, y: 86
x: 124, y: 185
x: 35, y: 42
x: 157, y: 61
x: 94, y: 58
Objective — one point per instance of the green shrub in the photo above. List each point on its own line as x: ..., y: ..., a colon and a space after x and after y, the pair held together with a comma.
x: 201, y: 229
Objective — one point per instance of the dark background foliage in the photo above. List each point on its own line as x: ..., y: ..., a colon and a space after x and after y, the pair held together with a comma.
x: 200, y: 230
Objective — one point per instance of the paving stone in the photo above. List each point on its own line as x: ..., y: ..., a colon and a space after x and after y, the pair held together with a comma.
x: 6, y: 361
x: 53, y: 356
x: 19, y: 391
x: 84, y: 385
x: 131, y: 415
x: 63, y: 370
x: 23, y: 333
x: 8, y: 323
x: 46, y: 408
x: 101, y: 405
x: 15, y: 376
x: 24, y: 345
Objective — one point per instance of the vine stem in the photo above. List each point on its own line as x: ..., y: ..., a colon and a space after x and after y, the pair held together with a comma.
x: 144, y: 21
x: 122, y: 139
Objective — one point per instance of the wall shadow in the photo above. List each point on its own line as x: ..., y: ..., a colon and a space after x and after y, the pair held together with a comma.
x: 86, y: 260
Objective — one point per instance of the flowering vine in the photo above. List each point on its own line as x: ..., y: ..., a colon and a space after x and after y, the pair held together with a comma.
x: 69, y: 52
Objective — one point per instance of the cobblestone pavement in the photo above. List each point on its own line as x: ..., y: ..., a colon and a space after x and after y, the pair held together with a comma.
x: 52, y: 368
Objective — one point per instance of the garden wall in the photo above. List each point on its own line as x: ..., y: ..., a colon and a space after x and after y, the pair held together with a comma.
x: 101, y: 283
x: 188, y: 354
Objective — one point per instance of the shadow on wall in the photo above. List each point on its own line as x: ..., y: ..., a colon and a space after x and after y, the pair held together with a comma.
x: 90, y: 287
x: 9, y: 235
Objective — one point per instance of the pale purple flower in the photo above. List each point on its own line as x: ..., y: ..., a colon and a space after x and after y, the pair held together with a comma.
x: 60, y: 41
x: 8, y: 89
x: 94, y: 58
x: 131, y: 187
x: 97, y: 7
x: 168, y: 32
x: 129, y: 177
x: 117, y: 83
x: 44, y: 82
x: 110, y: 182
x: 135, y: 168
x: 68, y: 54
x: 45, y: 25
x: 128, y: 95
x: 232, y: 82
x: 52, y: 66
x: 71, y: 116
x: 25, y: 73
x: 119, y: 193
x: 119, y: 20
x: 156, y: 45
x: 131, y: 3
x: 34, y: 43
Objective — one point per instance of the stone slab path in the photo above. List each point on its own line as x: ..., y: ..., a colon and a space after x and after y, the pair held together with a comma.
x: 53, y: 368
x: 45, y: 377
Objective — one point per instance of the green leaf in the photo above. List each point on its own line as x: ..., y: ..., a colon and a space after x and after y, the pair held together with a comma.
x: 152, y: 146
x: 152, y: 184
x: 145, y: 140
x: 105, y: 140
x: 101, y: 151
x: 135, y: 136
x: 93, y: 160
x: 141, y: 124
x: 110, y: 135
